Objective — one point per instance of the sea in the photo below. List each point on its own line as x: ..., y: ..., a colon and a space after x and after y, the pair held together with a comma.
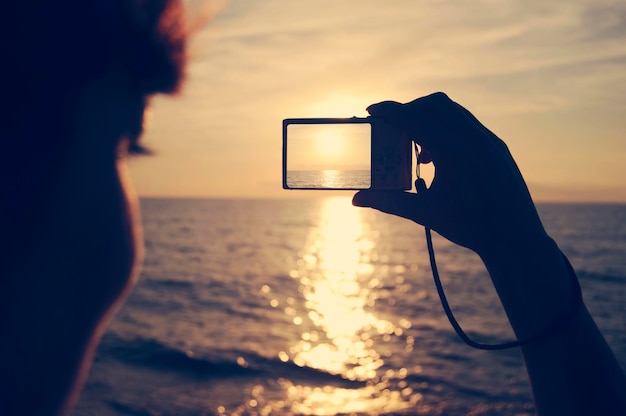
x: 329, y: 179
x: 316, y: 307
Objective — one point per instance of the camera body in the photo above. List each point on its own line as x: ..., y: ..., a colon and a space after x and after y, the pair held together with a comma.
x: 345, y: 154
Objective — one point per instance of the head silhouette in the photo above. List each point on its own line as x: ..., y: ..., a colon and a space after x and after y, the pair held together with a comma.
x: 76, y: 77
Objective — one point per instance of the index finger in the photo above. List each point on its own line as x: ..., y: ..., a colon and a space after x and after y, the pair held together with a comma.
x: 434, y: 121
x: 419, y: 118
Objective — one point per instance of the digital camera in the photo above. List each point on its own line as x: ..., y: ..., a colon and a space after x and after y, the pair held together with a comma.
x: 345, y: 153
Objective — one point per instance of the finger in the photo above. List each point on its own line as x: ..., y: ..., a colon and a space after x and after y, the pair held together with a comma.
x: 457, y: 129
x: 442, y: 115
x: 392, y: 112
x: 398, y: 115
x: 425, y: 119
x: 402, y: 204
x: 385, y: 109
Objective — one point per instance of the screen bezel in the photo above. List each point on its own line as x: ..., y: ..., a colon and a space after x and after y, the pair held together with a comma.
x: 350, y: 120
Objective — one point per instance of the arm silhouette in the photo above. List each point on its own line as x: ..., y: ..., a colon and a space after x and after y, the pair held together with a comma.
x: 479, y: 200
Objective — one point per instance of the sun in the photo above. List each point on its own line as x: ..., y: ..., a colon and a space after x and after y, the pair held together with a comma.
x: 330, y: 143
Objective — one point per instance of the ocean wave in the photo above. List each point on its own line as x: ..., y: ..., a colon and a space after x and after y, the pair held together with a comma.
x: 431, y: 385
x: 601, y: 277
x: 153, y: 354
x: 169, y: 284
x: 221, y: 365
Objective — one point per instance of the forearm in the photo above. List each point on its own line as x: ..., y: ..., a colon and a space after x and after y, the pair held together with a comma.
x: 572, y: 371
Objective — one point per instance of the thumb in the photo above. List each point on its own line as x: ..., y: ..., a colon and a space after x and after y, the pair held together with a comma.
x: 414, y: 207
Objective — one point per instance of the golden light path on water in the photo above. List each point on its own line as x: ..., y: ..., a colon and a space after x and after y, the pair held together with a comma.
x: 338, y: 287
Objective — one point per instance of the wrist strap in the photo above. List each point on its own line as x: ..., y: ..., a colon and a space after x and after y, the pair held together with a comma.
x: 576, y: 303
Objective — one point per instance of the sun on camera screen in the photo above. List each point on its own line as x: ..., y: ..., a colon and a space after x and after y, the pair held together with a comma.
x: 329, y: 156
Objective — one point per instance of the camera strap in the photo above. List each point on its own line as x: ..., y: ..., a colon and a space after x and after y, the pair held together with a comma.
x: 576, y: 302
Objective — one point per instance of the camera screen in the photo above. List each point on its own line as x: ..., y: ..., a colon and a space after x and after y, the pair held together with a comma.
x: 327, y: 156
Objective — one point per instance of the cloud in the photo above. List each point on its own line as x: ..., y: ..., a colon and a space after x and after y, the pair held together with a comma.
x: 604, y: 21
x: 535, y: 66
x: 284, y: 46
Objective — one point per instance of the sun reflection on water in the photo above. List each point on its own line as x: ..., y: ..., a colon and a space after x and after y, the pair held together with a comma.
x: 331, y: 276
x: 336, y: 284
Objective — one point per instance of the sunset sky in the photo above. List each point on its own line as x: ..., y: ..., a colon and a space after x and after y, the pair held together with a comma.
x: 548, y: 77
x: 329, y: 146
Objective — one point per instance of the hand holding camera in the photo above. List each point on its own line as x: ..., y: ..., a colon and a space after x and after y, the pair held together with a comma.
x: 478, y: 198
